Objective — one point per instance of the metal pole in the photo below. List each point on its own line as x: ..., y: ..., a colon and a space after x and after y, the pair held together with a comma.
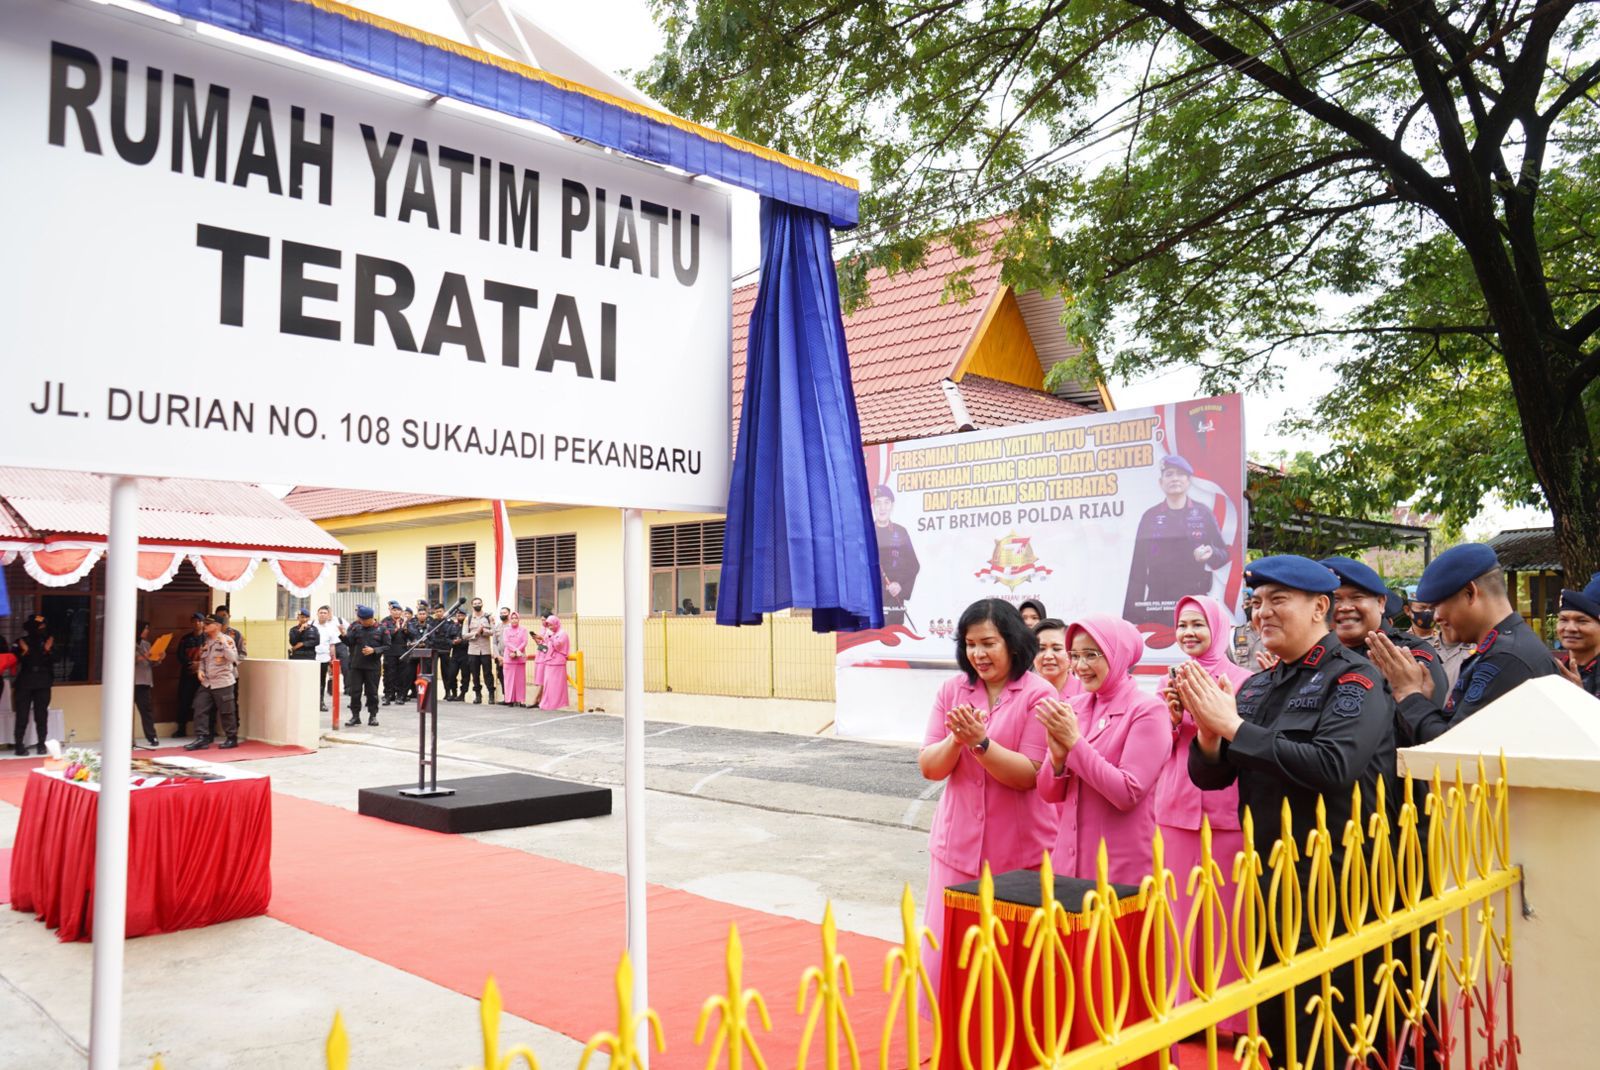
x: 633, y: 614
x: 116, y: 750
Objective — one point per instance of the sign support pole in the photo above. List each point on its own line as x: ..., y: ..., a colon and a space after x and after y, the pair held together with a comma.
x: 634, y: 609
x: 116, y: 751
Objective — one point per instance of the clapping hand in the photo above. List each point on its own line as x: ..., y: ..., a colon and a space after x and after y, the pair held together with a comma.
x: 1060, y: 722
x: 1266, y: 660
x: 1405, y: 674
x: 967, y: 725
x: 1215, y: 712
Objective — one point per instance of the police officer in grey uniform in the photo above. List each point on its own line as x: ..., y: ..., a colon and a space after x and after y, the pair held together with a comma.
x: 1315, y: 724
x: 1467, y: 590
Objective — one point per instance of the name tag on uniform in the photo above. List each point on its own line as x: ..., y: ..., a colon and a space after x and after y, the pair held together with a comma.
x: 1309, y: 702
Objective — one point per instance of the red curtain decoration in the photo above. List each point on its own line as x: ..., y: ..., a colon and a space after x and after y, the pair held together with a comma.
x: 156, y: 569
x: 226, y: 572
x: 60, y: 568
x: 299, y: 577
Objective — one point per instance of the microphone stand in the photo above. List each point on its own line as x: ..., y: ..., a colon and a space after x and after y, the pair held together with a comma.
x: 428, y: 714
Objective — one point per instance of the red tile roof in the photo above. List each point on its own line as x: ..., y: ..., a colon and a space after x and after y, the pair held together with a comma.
x: 200, y: 511
x: 323, y: 503
x: 993, y: 403
x: 905, y: 342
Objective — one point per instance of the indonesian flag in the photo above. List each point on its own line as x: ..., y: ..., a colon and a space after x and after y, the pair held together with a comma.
x: 505, y: 558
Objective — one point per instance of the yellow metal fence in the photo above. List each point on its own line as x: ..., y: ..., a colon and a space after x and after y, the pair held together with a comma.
x: 782, y: 658
x: 1424, y: 917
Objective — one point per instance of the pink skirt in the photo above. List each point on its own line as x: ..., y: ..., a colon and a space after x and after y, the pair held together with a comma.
x: 515, y: 678
x: 940, y: 877
x: 1183, y: 854
x: 553, y: 675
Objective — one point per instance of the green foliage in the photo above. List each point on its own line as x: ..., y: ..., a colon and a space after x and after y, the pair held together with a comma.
x: 1408, y: 195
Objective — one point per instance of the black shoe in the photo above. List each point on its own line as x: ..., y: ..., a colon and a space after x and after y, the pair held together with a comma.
x: 22, y: 750
x: 353, y: 721
x: 322, y: 707
x: 373, y: 720
x: 229, y: 743
x: 38, y: 748
x: 477, y: 700
x: 152, y: 742
x: 200, y: 744
x: 387, y: 701
x: 182, y: 731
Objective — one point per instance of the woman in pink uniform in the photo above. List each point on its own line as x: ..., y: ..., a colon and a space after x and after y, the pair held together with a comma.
x: 1051, y: 662
x: 514, y: 651
x: 984, y: 742
x: 1204, y: 627
x: 557, y: 645
x: 1107, y: 747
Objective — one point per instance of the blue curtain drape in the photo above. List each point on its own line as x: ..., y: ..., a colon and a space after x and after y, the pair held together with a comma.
x: 799, y: 529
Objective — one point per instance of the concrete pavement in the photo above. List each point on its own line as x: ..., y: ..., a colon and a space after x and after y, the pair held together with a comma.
x: 259, y: 993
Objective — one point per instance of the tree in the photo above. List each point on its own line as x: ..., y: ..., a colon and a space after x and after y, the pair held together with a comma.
x: 1405, y: 190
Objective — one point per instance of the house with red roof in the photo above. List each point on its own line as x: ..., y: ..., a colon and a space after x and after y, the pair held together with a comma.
x: 922, y: 365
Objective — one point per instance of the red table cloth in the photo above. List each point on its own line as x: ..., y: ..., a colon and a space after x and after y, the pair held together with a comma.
x: 1017, y: 894
x: 199, y: 853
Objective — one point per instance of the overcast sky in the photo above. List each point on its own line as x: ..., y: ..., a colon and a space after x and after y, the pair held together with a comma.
x: 619, y: 35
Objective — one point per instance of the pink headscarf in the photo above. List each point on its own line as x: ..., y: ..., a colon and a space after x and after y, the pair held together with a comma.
x: 1122, y: 646
x: 1214, y: 659
x: 514, y: 637
x: 553, y: 622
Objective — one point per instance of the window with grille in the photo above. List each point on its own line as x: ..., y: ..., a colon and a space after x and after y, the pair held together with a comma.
x: 358, y: 572
x: 547, y: 575
x: 450, y: 572
x: 685, y: 567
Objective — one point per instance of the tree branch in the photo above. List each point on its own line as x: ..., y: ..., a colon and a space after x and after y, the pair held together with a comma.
x: 1581, y: 331
x: 1429, y: 190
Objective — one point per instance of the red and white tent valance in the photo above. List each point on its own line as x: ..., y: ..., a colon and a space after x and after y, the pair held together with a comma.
x: 64, y: 562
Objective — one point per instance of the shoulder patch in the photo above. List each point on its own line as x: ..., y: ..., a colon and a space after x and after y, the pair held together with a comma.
x: 1347, y: 699
x: 1356, y: 678
x: 1482, y: 676
x: 1313, y: 656
x: 1488, y: 641
x: 1421, y: 654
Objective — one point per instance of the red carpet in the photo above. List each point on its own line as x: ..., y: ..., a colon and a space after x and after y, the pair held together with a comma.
x: 454, y: 910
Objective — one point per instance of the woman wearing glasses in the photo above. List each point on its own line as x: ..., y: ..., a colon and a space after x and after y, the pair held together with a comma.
x: 1203, y: 627
x: 984, y: 742
x: 1107, y: 748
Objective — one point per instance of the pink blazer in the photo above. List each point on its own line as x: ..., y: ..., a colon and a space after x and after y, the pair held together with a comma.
x: 1105, y: 787
x: 980, y: 819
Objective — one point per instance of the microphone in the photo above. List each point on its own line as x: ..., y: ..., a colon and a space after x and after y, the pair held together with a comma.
x: 460, y: 602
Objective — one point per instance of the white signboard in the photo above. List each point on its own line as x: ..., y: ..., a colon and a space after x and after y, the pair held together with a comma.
x: 223, y: 266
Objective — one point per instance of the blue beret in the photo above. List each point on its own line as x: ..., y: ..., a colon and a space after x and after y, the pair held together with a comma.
x: 1174, y: 461
x: 198, y: 616
x: 1392, y: 605
x: 364, y: 612
x: 393, y: 604
x: 1292, y: 570
x: 1586, y: 600
x: 1353, y: 572
x: 1453, y: 570
x: 883, y: 491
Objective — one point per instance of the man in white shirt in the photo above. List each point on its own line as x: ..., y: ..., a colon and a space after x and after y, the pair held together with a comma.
x: 330, y: 629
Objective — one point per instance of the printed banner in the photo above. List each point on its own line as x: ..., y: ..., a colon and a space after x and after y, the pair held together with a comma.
x: 1121, y: 513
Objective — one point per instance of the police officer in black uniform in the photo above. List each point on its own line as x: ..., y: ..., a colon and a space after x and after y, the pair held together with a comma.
x: 1363, y: 604
x: 455, y: 680
x: 367, y: 647
x: 1578, y: 628
x: 1316, y: 724
x: 439, y: 642
x: 1467, y: 590
x: 189, y: 648
x: 398, y: 634
x: 303, y: 638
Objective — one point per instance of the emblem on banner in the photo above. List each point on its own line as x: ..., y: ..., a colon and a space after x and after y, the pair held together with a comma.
x: 1013, y: 562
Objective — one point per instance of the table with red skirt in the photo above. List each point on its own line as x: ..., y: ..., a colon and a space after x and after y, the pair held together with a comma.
x: 1017, y: 895
x: 199, y: 851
